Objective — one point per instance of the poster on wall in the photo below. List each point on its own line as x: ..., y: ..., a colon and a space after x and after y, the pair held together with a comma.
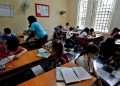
x: 42, y: 10
x: 6, y: 10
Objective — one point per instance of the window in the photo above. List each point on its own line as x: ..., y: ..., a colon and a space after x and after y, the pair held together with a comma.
x: 98, y: 12
x: 103, y: 15
x: 82, y: 13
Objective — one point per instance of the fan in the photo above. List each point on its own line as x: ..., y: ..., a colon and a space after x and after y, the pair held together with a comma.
x: 24, y: 5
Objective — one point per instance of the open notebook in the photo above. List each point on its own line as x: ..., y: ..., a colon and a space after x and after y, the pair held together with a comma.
x: 43, y: 53
x: 71, y: 75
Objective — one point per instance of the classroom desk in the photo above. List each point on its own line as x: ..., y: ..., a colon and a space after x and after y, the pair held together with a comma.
x: 28, y: 57
x: 106, y: 76
x: 49, y: 79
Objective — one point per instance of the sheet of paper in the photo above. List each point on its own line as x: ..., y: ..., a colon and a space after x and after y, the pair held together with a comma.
x: 43, y: 53
x: 59, y: 76
x: 37, y: 70
x: 69, y: 75
x: 4, y: 61
x: 81, y: 73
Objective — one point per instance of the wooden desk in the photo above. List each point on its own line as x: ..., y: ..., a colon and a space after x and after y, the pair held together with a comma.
x: 49, y: 79
x: 27, y: 58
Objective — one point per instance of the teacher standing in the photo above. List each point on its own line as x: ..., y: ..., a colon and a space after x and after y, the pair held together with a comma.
x: 38, y: 31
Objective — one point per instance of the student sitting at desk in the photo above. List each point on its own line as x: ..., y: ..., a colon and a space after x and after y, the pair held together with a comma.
x: 7, y: 34
x: 11, y: 51
x: 13, y: 48
x: 115, y: 31
x: 92, y: 33
x: 87, y: 56
x: 57, y: 57
x: 69, y: 33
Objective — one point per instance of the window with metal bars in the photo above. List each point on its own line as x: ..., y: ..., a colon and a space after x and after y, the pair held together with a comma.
x: 82, y: 13
x: 103, y: 15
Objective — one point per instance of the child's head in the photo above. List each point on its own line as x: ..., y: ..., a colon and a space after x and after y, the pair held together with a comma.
x: 91, y: 50
x: 7, y: 30
x: 114, y: 31
x: 67, y: 24
x: 85, y: 30
x: 57, y: 47
x: 12, y: 44
x: 31, y: 19
x: 71, y: 28
x: 91, y: 30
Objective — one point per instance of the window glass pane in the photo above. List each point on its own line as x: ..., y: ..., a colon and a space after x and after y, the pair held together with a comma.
x: 82, y: 13
x: 103, y: 14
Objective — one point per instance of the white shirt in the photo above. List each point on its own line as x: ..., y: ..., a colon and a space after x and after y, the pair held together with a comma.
x: 83, y: 35
x: 69, y: 34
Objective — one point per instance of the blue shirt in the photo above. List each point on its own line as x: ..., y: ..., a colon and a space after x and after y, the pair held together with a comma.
x: 10, y: 37
x: 38, y: 29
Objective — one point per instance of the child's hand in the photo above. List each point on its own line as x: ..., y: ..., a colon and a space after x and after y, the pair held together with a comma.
x: 11, y: 57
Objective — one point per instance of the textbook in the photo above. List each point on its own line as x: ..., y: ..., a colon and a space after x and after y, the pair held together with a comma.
x: 43, y: 53
x: 72, y: 75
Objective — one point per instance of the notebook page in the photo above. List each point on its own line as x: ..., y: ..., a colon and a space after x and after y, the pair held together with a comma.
x: 69, y: 75
x: 4, y: 61
x: 37, y: 70
x: 59, y: 76
x: 82, y: 73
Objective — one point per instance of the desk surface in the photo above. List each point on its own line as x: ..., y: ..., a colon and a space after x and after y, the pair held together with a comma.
x: 27, y: 58
x: 103, y: 74
x: 49, y: 79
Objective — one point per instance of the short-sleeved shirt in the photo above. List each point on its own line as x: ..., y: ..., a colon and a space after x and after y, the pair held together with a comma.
x: 38, y: 30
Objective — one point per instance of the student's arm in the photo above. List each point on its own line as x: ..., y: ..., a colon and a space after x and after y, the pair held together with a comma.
x: 21, y: 53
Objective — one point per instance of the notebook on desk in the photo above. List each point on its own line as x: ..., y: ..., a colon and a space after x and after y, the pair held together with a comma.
x: 43, y: 53
x: 72, y: 75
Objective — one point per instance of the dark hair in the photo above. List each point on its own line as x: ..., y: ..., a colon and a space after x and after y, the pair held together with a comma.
x: 91, y: 48
x: 67, y: 23
x: 85, y: 30
x: 31, y: 19
x: 57, y: 47
x: 12, y: 44
x: 60, y: 26
x: 7, y: 30
x: 115, y: 30
x: 71, y: 28
x: 91, y: 30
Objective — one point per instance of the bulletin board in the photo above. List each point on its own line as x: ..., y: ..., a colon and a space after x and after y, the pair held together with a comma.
x: 6, y: 10
x: 42, y: 10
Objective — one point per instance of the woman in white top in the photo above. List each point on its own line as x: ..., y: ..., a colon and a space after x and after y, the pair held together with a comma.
x: 86, y: 58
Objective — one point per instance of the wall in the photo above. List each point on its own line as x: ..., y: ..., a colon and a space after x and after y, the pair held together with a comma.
x: 18, y: 22
x: 72, y: 12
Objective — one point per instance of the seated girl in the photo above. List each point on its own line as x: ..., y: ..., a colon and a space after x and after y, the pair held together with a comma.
x: 13, y: 48
x: 86, y: 57
x: 10, y: 52
x: 57, y: 57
